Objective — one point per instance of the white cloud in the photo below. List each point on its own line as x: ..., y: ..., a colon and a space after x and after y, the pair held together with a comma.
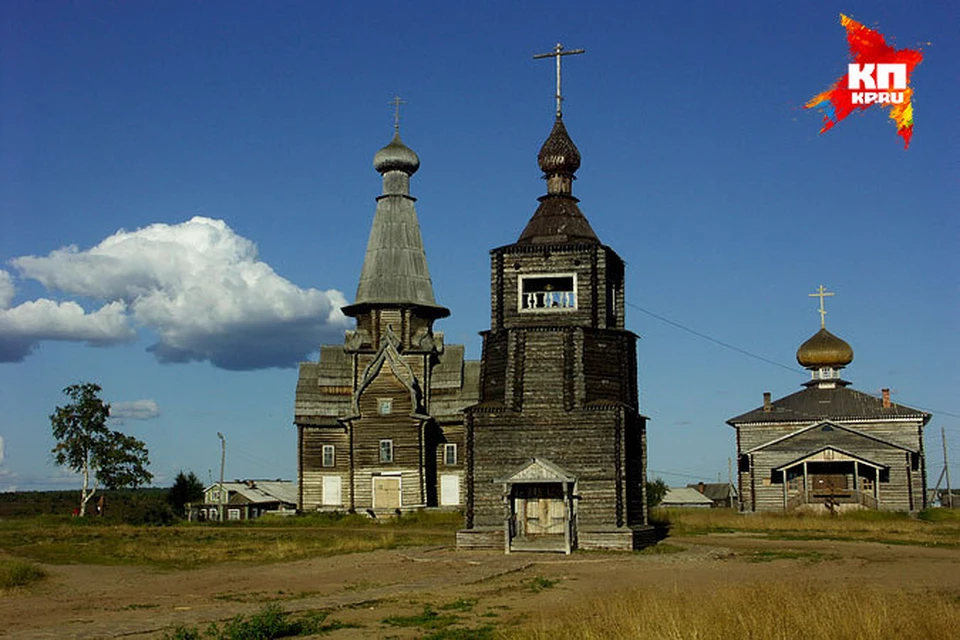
x: 134, y: 410
x: 6, y: 289
x: 24, y: 326
x: 200, y: 286
x: 1, y: 449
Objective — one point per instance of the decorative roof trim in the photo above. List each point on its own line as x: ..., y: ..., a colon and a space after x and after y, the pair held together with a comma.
x: 821, y: 423
x: 807, y: 458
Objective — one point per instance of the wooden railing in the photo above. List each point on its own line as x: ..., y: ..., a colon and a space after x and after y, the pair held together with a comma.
x: 841, y: 496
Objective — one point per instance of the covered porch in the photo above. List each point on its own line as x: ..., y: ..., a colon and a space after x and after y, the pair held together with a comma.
x: 539, y: 508
x: 831, y: 477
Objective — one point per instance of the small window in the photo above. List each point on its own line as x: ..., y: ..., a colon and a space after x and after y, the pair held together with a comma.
x: 329, y: 455
x: 449, y: 454
x: 233, y: 514
x: 866, y: 484
x: 385, y: 406
x: 548, y: 293
x: 386, y: 451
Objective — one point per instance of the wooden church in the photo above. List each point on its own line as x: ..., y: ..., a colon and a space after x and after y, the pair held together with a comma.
x: 556, y: 446
x: 830, y: 447
x: 379, y: 418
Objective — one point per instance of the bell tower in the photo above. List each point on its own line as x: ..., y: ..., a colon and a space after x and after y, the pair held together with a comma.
x: 556, y: 446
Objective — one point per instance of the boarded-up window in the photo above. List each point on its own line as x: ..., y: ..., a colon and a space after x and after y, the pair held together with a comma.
x: 331, y: 491
x: 386, y: 451
x: 449, y: 454
x: 449, y: 490
x: 329, y: 455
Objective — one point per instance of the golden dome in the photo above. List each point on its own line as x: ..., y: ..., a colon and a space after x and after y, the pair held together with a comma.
x: 824, y: 349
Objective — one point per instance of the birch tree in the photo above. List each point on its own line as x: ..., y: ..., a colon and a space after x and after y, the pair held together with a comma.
x: 86, y: 445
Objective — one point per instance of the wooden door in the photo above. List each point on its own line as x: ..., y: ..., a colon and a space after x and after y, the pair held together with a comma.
x: 540, y: 510
x: 830, y: 483
x: 386, y: 492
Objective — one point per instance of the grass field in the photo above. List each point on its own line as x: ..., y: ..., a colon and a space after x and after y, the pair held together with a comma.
x: 782, y: 609
x: 66, y: 540
x: 933, y: 527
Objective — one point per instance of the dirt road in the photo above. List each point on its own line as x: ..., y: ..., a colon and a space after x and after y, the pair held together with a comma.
x: 479, y: 588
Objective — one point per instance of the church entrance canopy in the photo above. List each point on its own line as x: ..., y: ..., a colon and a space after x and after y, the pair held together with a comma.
x: 539, y: 511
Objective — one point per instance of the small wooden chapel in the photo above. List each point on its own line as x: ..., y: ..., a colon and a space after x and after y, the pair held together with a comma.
x: 829, y: 446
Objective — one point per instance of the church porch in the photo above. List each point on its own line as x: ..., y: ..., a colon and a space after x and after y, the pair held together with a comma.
x: 831, y: 478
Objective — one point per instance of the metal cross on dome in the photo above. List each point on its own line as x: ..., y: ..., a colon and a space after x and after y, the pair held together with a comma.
x: 822, y: 293
x: 396, y: 102
x: 557, y: 53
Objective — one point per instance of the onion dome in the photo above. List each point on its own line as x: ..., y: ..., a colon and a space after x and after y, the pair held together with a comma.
x: 396, y: 156
x: 824, y: 349
x: 558, y: 219
x: 558, y: 155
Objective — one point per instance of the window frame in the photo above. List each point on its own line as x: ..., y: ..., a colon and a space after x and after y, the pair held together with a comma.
x: 384, y: 403
x: 332, y: 449
x: 545, y: 276
x: 447, y: 449
x: 389, y: 457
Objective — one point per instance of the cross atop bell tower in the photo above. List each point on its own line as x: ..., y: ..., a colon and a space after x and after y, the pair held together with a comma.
x: 557, y: 53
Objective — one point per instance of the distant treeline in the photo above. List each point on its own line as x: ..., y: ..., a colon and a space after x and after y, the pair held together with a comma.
x: 124, y: 505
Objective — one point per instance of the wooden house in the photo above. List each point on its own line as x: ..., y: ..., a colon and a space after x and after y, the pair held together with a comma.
x: 556, y: 446
x: 244, y: 500
x: 379, y: 418
x: 722, y: 494
x: 830, y: 447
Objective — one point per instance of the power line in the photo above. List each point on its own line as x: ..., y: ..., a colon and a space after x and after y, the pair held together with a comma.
x: 727, y: 345
x: 723, y: 344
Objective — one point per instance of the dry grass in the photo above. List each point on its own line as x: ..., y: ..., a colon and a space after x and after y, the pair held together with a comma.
x: 934, y: 527
x: 782, y: 610
x: 76, y: 541
x: 17, y: 573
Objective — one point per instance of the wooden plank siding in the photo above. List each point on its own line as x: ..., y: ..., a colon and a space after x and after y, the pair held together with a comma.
x: 559, y: 385
x: 893, y: 444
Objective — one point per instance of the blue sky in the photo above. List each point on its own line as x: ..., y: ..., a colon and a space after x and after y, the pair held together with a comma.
x: 210, y: 165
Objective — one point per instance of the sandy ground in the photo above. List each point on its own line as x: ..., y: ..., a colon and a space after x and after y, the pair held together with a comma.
x: 79, y: 601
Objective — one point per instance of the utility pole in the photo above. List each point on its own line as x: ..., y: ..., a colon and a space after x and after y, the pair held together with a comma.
x: 730, y: 484
x: 223, y: 460
x: 946, y: 468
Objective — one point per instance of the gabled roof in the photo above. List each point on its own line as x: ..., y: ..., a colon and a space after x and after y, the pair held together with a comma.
x: 826, y: 433
x: 538, y: 470
x: 715, y: 490
x: 685, y: 495
x: 831, y: 454
x: 839, y: 403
